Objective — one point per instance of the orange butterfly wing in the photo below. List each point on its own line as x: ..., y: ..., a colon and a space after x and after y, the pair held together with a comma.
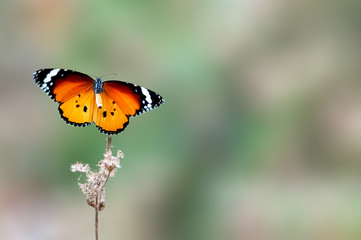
x: 78, y: 110
x: 73, y: 90
x: 109, y: 118
x: 122, y: 100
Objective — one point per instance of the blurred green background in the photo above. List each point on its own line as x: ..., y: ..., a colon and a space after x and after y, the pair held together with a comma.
x: 259, y: 137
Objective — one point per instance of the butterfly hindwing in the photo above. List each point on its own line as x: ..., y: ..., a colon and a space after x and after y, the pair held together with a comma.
x: 78, y: 110
x: 110, y: 118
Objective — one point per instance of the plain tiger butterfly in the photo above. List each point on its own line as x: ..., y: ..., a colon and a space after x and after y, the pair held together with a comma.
x: 83, y: 100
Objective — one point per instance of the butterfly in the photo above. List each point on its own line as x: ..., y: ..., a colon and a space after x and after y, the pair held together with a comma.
x: 83, y: 100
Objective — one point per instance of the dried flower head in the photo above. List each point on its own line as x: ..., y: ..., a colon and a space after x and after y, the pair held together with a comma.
x: 94, y: 187
x: 80, y: 167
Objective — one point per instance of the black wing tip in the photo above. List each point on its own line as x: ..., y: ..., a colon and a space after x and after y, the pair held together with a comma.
x: 44, y: 81
x: 157, y: 100
x: 36, y: 74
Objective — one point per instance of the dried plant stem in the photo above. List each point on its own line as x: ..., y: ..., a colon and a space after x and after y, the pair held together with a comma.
x: 109, y: 143
x: 97, y: 206
x: 96, y: 219
x: 97, y: 209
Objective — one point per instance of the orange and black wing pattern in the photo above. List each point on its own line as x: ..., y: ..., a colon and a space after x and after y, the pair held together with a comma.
x: 73, y: 90
x: 83, y: 100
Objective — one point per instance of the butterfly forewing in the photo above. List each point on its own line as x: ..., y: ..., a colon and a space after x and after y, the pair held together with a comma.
x: 133, y: 99
x: 124, y: 96
x: 70, y: 87
x: 62, y: 84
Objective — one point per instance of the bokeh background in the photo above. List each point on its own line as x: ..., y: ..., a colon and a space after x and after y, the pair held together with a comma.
x: 259, y: 137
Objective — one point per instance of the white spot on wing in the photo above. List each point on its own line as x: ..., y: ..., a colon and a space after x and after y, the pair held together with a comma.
x: 98, y: 100
x: 147, y: 95
x: 51, y: 74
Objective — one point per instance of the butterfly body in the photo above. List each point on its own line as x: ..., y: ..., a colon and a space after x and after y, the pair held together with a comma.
x: 83, y: 100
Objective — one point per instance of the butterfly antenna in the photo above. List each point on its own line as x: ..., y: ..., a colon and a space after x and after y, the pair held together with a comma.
x: 108, y: 74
